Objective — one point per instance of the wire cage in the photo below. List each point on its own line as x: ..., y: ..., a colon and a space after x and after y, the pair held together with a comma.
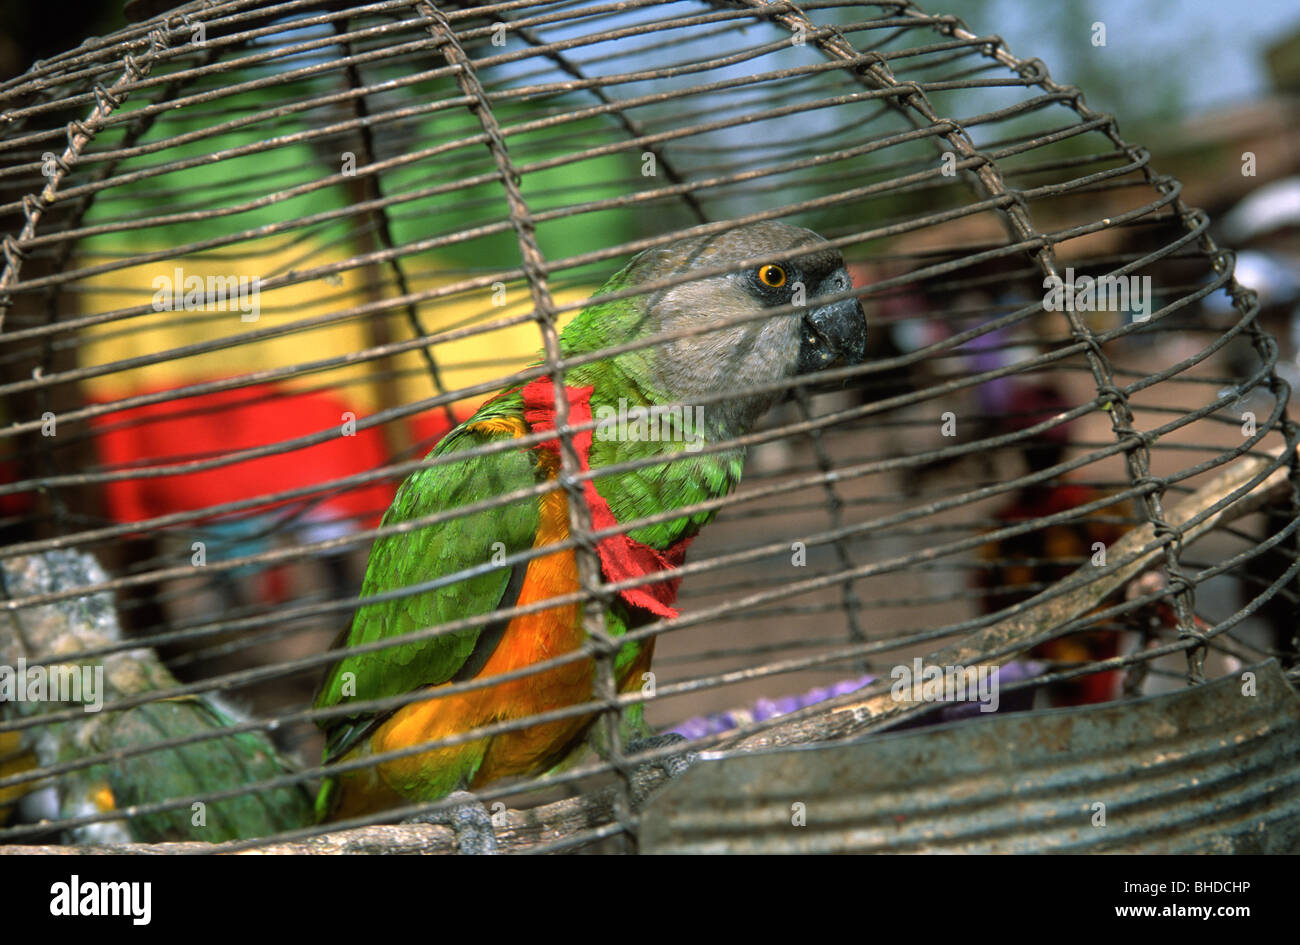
x: 260, y: 258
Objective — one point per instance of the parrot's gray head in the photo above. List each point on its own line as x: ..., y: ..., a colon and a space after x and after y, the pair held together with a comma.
x: 795, y: 267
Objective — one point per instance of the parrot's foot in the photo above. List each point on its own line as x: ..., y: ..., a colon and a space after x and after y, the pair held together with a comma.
x: 468, y: 820
x: 649, y: 777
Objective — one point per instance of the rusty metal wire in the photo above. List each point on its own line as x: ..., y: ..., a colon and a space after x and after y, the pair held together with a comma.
x: 391, y: 173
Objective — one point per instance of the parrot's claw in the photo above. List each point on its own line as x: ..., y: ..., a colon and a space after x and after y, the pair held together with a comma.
x: 468, y: 820
x: 649, y: 777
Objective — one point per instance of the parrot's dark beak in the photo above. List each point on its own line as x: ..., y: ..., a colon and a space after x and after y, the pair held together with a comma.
x: 833, y: 335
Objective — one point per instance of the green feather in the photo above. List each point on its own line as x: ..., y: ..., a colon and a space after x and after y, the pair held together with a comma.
x: 196, y: 770
x: 423, y: 554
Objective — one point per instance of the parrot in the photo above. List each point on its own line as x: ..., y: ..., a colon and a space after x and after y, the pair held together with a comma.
x: 191, y: 771
x: 797, y: 264
x: 186, y: 771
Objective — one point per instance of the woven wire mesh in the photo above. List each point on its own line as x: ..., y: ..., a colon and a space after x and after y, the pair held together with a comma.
x: 424, y: 194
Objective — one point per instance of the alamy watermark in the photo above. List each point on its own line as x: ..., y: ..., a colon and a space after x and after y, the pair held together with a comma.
x: 181, y: 293
x: 933, y: 683
x: 79, y: 897
x: 1099, y: 294
x: 651, y: 424
x: 58, y: 683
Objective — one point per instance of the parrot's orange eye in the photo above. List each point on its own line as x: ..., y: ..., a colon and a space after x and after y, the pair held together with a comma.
x: 772, y: 276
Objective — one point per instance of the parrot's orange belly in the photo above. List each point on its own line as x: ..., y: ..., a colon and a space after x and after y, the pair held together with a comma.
x: 527, y: 640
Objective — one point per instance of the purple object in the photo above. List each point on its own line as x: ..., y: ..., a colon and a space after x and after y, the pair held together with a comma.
x: 765, y: 708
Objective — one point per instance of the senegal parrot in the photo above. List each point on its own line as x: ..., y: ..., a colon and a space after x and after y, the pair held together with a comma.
x: 794, y: 264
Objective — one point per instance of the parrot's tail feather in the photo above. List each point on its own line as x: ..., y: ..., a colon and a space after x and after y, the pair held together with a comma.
x: 326, y: 798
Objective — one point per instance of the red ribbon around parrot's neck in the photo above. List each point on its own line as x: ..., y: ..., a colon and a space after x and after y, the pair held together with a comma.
x: 621, y: 557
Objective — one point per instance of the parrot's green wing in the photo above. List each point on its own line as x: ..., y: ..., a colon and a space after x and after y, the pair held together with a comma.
x: 425, y: 554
